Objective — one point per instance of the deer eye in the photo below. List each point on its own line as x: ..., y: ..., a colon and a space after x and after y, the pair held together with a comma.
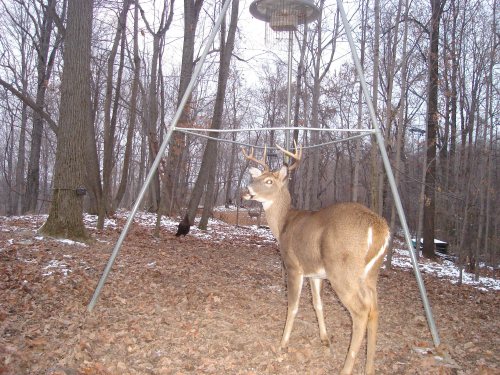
x: 269, y: 182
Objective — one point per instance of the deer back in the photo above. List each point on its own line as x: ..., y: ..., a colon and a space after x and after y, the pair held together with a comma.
x: 339, y: 238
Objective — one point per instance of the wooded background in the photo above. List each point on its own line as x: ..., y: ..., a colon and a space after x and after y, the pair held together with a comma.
x: 432, y: 68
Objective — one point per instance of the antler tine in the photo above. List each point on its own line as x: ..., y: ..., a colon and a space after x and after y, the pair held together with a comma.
x: 297, y: 155
x: 261, y: 161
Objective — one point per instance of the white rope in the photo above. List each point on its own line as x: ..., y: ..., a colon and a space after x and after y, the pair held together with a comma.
x: 204, y: 130
x: 190, y: 132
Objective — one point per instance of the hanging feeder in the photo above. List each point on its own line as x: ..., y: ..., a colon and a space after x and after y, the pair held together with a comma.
x: 284, y: 15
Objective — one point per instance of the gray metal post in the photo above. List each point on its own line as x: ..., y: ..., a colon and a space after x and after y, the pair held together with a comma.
x: 289, y: 94
x: 390, y: 177
x: 157, y: 160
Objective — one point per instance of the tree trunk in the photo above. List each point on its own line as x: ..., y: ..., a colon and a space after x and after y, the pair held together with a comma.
x: 133, y: 112
x: 151, y: 117
x: 432, y: 127
x: 65, y: 216
x: 401, y: 123
x: 229, y: 198
x: 209, y: 163
x: 93, y: 179
x: 43, y: 74
x: 375, y: 204
x: 489, y: 248
x: 110, y: 117
x: 177, y: 144
x: 301, y: 69
x: 318, y: 76
x: 20, y: 184
x: 357, y: 142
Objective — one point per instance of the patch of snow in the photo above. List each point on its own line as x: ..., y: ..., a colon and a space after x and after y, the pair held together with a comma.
x: 70, y: 242
x: 445, y: 270
x: 56, y: 265
x: 220, y: 232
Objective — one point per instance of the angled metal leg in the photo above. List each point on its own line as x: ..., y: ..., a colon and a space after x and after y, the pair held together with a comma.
x: 390, y: 178
x: 161, y: 151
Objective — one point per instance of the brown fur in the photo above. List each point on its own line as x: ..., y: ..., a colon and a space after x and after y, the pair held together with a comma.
x: 331, y: 243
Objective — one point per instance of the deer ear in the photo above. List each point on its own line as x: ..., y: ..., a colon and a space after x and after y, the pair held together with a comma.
x: 254, y: 172
x: 283, y: 173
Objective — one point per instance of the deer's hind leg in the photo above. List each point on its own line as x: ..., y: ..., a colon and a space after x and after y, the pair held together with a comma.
x: 358, y: 303
x: 318, y: 307
x: 371, y: 337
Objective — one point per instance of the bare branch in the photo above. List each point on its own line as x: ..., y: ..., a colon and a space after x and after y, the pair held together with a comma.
x: 30, y: 103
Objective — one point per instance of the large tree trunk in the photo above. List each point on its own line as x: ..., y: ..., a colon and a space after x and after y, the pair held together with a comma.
x: 432, y: 127
x: 65, y: 216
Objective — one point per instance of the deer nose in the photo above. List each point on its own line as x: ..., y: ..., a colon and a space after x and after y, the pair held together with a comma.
x: 248, y: 194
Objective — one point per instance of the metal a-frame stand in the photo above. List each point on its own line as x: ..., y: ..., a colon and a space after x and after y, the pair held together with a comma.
x: 378, y: 136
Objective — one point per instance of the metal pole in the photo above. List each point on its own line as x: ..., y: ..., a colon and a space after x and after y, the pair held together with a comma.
x: 157, y: 160
x: 390, y: 177
x: 289, y: 96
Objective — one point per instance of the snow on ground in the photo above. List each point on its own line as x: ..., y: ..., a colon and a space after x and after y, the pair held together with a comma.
x: 445, y: 269
x: 220, y: 232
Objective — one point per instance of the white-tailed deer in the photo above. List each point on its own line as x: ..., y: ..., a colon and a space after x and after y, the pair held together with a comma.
x: 344, y: 243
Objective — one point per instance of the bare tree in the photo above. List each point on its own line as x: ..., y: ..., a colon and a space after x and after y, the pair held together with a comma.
x: 133, y: 111
x: 65, y: 216
x: 110, y: 112
x: 320, y: 70
x: 401, y: 123
x: 432, y: 125
x: 177, y: 144
x: 45, y: 57
x: 206, y: 176
x: 375, y: 201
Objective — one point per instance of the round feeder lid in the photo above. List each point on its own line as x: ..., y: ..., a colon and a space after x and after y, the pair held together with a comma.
x: 284, y: 15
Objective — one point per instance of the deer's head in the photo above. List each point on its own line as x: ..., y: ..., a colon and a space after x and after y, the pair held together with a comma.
x: 269, y: 186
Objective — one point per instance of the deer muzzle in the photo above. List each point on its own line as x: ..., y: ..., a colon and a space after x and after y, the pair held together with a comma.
x: 249, y: 194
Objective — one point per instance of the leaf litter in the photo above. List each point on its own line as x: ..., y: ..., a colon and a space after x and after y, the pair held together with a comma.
x: 214, y: 302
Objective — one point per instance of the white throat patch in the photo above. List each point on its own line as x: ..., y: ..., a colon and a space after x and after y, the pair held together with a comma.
x: 267, y: 204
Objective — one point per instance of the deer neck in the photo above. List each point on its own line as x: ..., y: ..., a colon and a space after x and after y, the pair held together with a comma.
x: 277, y: 212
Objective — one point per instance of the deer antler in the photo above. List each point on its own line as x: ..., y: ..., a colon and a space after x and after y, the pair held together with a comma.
x: 296, y: 156
x: 258, y: 161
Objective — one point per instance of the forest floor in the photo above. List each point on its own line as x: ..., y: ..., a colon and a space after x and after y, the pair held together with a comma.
x: 212, y: 302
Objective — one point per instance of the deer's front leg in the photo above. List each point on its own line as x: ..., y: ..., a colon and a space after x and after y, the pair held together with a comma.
x: 294, y: 287
x: 318, y: 307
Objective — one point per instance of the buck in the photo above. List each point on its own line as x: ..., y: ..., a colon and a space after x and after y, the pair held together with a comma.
x: 344, y: 243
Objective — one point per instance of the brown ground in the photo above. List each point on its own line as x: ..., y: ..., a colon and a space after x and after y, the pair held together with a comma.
x: 205, y: 305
